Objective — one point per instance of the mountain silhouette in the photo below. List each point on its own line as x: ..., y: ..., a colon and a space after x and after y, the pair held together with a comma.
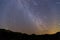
x: 10, y: 35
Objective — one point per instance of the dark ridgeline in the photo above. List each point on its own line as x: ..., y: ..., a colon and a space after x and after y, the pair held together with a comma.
x: 9, y: 35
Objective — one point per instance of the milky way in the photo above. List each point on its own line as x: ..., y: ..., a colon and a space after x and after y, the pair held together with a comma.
x: 30, y: 16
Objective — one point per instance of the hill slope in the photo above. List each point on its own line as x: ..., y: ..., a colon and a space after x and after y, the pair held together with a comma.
x: 9, y: 35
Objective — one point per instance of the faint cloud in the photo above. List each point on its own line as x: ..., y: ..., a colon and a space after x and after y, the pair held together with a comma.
x: 58, y: 24
x: 57, y: 2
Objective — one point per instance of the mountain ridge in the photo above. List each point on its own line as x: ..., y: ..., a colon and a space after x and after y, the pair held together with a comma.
x: 10, y: 35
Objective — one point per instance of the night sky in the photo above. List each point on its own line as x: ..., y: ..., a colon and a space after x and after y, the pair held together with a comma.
x: 30, y: 16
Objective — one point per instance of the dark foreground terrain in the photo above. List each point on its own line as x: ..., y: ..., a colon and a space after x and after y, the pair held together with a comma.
x: 9, y: 35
